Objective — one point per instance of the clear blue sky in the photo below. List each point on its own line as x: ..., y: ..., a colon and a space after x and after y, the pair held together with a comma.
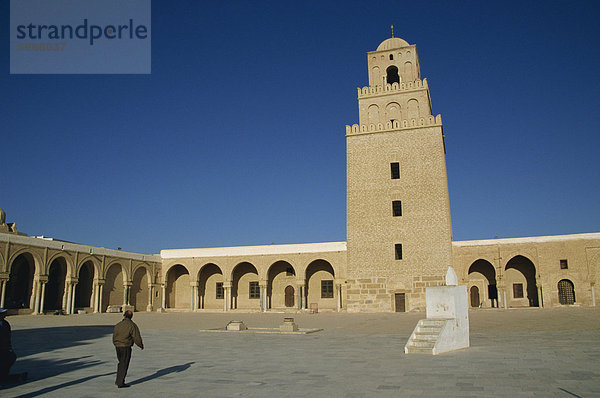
x: 237, y: 137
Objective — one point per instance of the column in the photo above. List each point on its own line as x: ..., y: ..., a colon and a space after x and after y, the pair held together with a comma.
x: 228, y: 303
x: 593, y: 295
x: 33, y: 295
x: 504, y: 299
x: 100, y: 294
x: 69, y: 291
x: 540, y: 297
x: 264, y: 299
x: 338, y: 288
x: 65, y: 297
x: 3, y: 292
x: 193, y: 295
x: 36, y: 305
x: 164, y: 296
x: 95, y: 296
x: 303, y: 297
x: 125, y: 295
x: 73, y: 286
x: 150, y: 297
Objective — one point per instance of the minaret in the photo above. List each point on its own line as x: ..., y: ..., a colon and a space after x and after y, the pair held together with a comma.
x: 398, y: 212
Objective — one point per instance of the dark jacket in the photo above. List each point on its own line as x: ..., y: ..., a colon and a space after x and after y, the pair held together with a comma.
x: 126, y: 333
x: 5, y: 344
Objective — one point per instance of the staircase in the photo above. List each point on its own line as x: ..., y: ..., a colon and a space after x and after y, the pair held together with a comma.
x: 425, y: 336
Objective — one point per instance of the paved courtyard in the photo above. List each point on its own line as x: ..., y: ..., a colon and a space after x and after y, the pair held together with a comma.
x: 514, y: 353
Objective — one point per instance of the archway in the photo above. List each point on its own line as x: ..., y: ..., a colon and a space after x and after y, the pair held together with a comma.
x: 320, y: 290
x: 566, y: 292
x: 392, y: 74
x: 281, y: 275
x: 289, y: 296
x: 245, y: 290
x: 520, y: 279
x: 483, y: 275
x: 178, y: 287
x: 210, y: 287
x: 113, y: 287
x: 138, y: 295
x: 83, y: 289
x: 475, y: 297
x: 20, y: 282
x: 55, y: 287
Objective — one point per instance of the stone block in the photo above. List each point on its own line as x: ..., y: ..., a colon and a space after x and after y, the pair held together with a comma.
x: 236, y: 325
x: 288, y: 325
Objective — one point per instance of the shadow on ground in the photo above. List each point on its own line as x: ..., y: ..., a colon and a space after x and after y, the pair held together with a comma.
x: 27, y: 341
x: 163, y: 372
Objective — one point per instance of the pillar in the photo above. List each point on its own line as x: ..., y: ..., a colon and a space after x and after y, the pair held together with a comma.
x: 300, y: 290
x: 150, y: 297
x: 193, y: 296
x: 3, y: 292
x: 65, y: 297
x: 164, y: 296
x: 36, y: 293
x: 227, y: 287
x: 33, y: 295
x: 69, y: 291
x: 100, y: 294
x: 73, y: 286
x: 338, y: 288
x: 593, y: 295
x: 264, y: 299
x: 540, y: 297
x: 125, y: 294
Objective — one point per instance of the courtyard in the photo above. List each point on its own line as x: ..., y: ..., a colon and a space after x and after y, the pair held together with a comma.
x: 514, y: 353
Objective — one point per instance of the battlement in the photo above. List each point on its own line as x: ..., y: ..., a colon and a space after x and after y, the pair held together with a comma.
x: 390, y: 88
x: 396, y: 125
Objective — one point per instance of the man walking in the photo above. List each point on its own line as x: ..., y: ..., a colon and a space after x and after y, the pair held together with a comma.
x: 125, y: 334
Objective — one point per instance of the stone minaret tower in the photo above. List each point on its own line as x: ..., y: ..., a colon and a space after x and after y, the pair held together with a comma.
x: 398, y: 211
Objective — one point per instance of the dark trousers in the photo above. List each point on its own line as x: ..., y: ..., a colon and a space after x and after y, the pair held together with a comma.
x: 124, y: 356
x: 7, y: 359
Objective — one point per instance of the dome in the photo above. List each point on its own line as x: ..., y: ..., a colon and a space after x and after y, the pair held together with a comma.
x: 391, y: 43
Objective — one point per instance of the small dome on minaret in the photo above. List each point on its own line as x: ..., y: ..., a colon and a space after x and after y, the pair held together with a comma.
x: 392, y: 43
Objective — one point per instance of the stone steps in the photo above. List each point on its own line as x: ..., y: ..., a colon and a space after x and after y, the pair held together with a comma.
x: 425, y: 336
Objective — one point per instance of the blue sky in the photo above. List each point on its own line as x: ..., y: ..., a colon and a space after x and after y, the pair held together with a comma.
x: 237, y: 136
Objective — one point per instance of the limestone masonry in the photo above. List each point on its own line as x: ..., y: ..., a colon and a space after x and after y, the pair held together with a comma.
x: 399, y: 238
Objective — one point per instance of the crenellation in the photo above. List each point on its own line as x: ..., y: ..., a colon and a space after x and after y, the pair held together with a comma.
x: 407, y: 124
x: 385, y: 89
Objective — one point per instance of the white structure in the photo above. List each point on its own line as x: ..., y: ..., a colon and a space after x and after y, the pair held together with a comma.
x: 447, y: 325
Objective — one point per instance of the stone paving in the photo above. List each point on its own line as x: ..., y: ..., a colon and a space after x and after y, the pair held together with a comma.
x: 514, y: 353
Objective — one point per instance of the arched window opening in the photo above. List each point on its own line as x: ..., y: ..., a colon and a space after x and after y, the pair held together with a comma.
x: 391, y: 57
x: 392, y: 75
x: 566, y: 292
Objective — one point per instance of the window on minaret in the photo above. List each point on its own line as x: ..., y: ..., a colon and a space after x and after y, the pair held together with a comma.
x: 397, y: 208
x: 391, y: 57
x: 398, y: 250
x: 392, y: 75
x: 395, y: 170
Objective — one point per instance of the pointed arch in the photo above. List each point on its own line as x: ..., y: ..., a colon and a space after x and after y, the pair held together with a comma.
x: 520, y: 276
x: 280, y: 276
x: 320, y: 288
x: 245, y: 286
x: 210, y: 287
x: 20, y: 281
x: 139, y: 294
x: 178, y: 287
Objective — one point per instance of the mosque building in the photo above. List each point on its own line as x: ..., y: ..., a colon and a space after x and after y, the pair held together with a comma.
x: 399, y: 239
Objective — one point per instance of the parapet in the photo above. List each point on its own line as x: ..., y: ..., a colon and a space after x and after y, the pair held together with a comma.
x: 379, y: 89
x: 406, y: 124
